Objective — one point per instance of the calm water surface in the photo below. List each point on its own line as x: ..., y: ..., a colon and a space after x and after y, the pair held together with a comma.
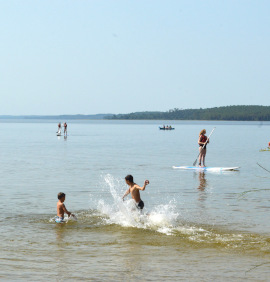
x: 195, y: 226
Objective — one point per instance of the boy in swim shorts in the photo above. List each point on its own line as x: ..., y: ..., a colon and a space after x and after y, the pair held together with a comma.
x: 134, y: 190
x: 61, y: 208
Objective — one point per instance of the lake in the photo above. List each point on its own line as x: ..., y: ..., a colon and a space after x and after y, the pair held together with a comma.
x: 196, y: 226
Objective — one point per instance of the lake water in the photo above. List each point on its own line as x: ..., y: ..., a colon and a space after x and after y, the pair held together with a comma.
x: 195, y: 226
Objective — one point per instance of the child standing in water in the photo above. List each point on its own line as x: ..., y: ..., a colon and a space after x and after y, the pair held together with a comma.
x: 61, y: 208
x: 202, y: 147
x: 134, y: 189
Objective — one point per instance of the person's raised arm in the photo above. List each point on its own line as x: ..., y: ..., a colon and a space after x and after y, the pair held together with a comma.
x: 146, y: 182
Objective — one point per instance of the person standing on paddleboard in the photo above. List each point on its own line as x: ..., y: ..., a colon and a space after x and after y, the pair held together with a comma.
x: 202, y: 147
x: 65, y: 129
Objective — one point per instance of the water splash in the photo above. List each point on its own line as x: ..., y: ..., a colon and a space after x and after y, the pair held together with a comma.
x: 166, y: 219
x: 162, y: 218
x: 65, y: 220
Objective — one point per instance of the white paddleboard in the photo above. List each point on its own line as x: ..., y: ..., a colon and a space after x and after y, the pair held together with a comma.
x: 207, y: 168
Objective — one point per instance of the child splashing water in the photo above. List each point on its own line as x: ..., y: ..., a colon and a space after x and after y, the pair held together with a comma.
x: 134, y: 190
x: 161, y: 218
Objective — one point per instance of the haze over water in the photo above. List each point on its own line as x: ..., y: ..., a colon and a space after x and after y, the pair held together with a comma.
x: 195, y: 226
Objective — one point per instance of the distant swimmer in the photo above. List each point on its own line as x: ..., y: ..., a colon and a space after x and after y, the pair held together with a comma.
x: 134, y: 190
x: 202, y: 147
x: 61, y: 208
x: 65, y: 128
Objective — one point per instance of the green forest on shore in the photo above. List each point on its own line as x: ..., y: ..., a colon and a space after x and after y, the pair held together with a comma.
x: 237, y: 113
x: 231, y: 113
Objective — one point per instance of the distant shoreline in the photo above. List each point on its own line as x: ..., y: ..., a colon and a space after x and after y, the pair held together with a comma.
x: 228, y: 113
x: 61, y: 117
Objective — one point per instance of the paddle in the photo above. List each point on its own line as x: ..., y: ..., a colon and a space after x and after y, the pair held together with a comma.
x: 262, y: 167
x: 204, y: 145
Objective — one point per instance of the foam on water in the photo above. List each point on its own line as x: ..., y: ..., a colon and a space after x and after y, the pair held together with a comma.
x: 167, y: 220
x: 161, y: 218
x: 65, y: 220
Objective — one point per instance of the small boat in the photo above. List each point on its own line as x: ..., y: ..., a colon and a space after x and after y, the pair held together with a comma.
x: 166, y: 128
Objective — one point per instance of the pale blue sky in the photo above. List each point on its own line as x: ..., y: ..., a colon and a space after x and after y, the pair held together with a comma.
x: 89, y: 57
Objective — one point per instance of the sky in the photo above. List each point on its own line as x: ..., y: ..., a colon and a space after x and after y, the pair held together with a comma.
x: 123, y: 56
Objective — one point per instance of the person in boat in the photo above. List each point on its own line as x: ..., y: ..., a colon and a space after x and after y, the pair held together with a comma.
x: 65, y: 128
x: 202, y: 147
x: 61, y: 208
x: 134, y: 190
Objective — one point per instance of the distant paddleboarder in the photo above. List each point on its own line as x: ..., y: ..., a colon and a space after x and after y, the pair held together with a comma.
x: 202, y: 147
x: 59, y: 129
x: 65, y: 129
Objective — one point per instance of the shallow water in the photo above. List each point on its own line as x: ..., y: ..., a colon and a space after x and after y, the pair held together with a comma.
x: 195, y: 226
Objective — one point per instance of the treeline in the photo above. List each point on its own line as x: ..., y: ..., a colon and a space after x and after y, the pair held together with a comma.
x: 241, y: 113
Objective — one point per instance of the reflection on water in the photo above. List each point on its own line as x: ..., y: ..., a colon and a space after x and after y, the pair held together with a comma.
x: 60, y: 254
x: 59, y: 233
x: 202, y: 186
x: 202, y: 181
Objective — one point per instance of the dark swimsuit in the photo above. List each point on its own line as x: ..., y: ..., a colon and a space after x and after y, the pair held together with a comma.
x: 203, y: 139
x: 140, y: 205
